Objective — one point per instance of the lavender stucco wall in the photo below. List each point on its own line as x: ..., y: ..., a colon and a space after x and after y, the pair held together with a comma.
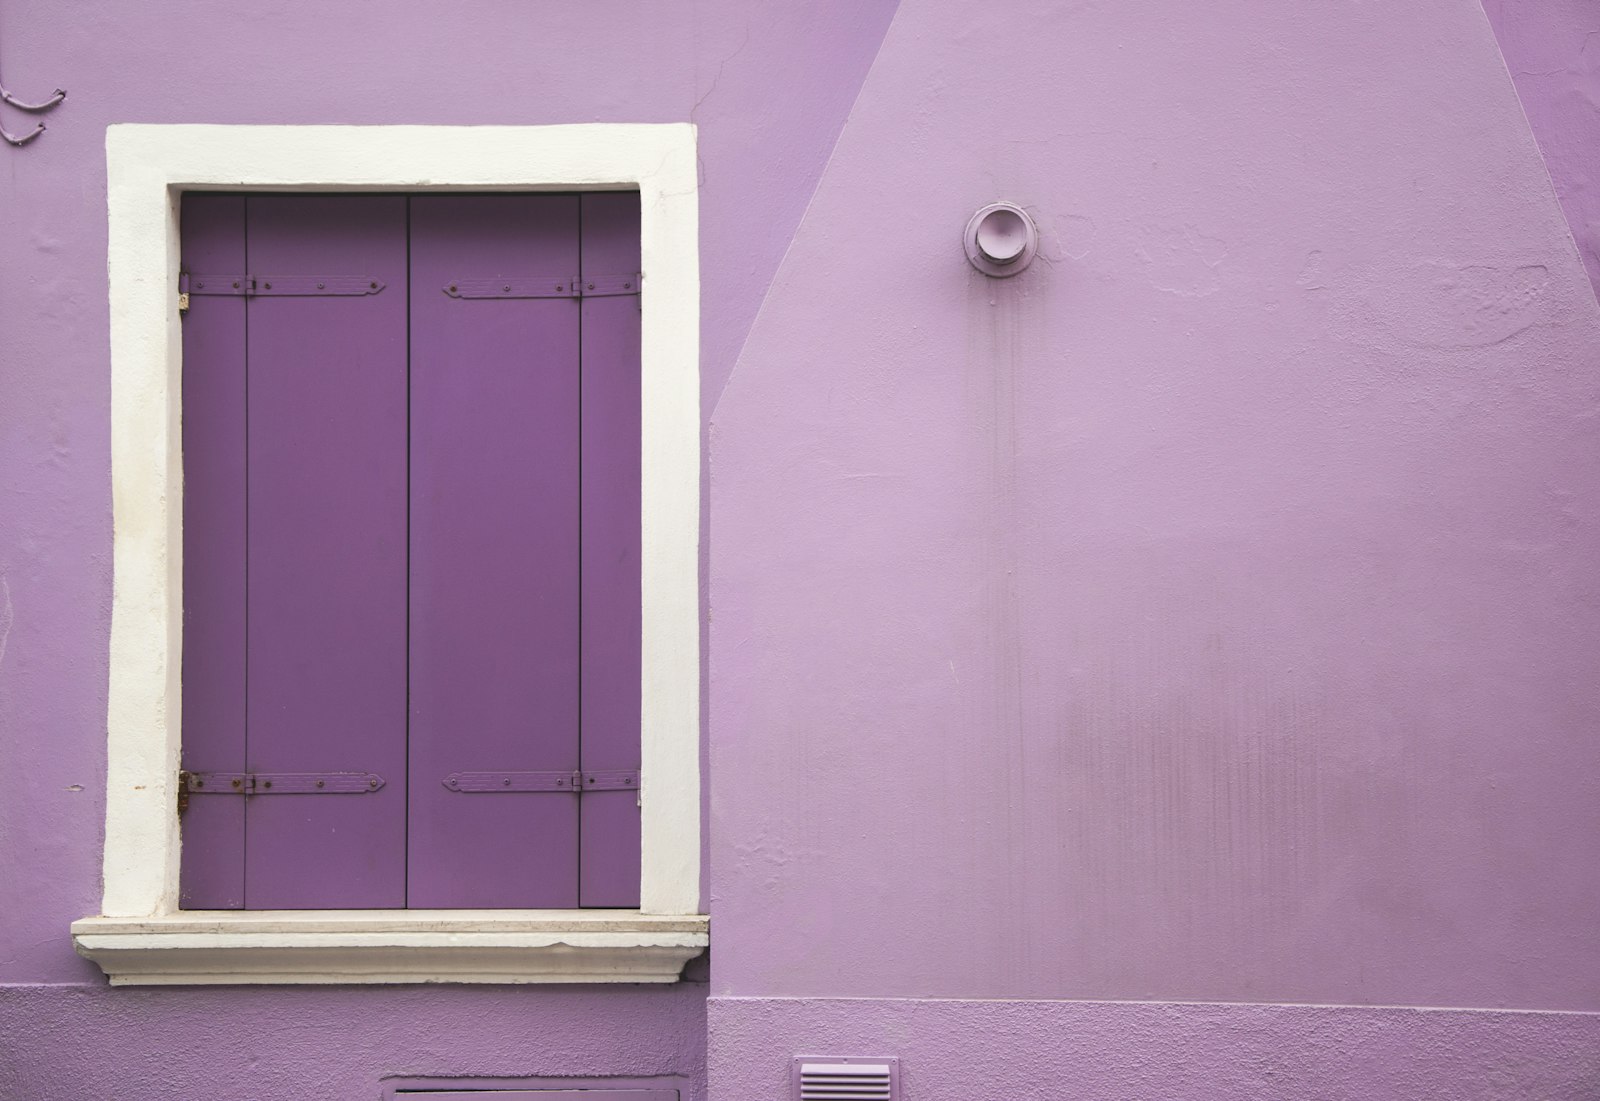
x: 1130, y: 1051
x: 769, y: 85
x: 1552, y: 49
x: 1209, y: 614
x: 221, y: 1044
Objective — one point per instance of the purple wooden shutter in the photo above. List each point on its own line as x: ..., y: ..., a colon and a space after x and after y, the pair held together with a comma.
x: 610, y: 636
x: 494, y: 550
x: 212, y: 876
x: 327, y: 549
x: 412, y: 549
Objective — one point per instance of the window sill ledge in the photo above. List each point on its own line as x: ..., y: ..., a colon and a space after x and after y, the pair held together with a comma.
x: 219, y: 947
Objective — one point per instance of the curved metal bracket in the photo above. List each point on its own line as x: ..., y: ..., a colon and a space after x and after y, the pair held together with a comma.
x: 33, y: 108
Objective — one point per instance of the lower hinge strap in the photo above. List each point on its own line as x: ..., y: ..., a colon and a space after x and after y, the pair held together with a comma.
x: 583, y: 780
x: 610, y: 285
x: 277, y: 286
x: 279, y: 783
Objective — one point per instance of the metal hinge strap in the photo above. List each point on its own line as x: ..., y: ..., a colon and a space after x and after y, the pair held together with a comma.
x: 547, y: 286
x: 276, y: 783
x: 277, y: 286
x: 200, y: 283
x: 582, y: 780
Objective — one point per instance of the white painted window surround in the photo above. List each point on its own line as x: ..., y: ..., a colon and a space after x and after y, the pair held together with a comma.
x: 140, y: 936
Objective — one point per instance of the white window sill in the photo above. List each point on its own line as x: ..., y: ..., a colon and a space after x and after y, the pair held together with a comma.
x: 216, y: 947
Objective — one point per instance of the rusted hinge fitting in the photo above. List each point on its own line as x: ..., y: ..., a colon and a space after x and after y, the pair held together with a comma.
x: 202, y: 284
x: 274, y: 783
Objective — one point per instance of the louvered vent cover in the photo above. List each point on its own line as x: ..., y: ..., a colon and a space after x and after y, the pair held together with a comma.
x: 839, y: 1078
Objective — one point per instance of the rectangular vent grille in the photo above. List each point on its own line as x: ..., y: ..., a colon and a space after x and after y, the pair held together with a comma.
x: 836, y: 1078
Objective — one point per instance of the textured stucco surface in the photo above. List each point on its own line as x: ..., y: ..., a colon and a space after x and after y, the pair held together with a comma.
x: 1209, y: 613
x: 1049, y: 1051
x: 768, y: 85
x: 61, y: 1043
x: 1552, y: 50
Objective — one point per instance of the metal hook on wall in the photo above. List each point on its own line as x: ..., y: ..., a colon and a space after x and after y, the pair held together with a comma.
x: 33, y: 108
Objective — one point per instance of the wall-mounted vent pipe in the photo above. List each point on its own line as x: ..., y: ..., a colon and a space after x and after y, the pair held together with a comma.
x: 846, y: 1078
x: 1001, y: 239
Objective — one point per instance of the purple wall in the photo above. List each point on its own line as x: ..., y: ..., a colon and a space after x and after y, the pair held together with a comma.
x: 1552, y: 49
x: 1132, y: 1051
x: 77, y: 1043
x: 769, y: 85
x: 1210, y: 613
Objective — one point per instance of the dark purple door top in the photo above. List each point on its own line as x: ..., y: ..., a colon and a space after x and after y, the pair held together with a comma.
x: 411, y: 452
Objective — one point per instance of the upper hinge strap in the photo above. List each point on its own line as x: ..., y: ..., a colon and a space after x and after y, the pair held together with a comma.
x: 547, y: 286
x: 278, y: 286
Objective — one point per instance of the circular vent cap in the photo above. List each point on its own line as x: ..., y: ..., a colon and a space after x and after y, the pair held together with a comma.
x: 1001, y: 239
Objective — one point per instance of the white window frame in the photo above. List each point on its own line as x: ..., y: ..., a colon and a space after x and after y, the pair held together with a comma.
x: 140, y: 935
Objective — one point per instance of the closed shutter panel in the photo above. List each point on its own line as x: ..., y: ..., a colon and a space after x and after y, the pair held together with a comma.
x: 494, y: 558
x: 327, y: 550
x: 611, y: 607
x: 412, y: 550
x: 214, y: 554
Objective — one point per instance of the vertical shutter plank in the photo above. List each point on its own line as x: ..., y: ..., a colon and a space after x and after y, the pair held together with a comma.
x: 611, y: 510
x: 494, y: 551
x: 213, y: 237
x: 327, y: 567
